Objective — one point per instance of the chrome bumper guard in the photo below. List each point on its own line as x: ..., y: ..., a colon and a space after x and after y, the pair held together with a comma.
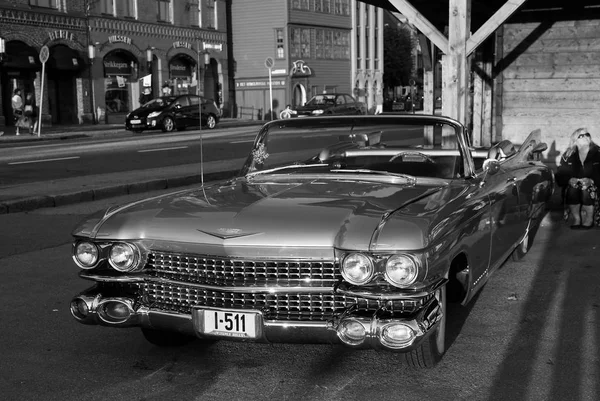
x: 90, y: 307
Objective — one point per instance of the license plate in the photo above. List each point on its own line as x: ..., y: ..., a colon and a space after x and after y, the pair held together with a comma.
x: 229, y: 323
x: 136, y: 121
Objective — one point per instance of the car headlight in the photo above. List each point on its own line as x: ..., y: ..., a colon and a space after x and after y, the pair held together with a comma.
x: 357, y: 268
x: 401, y: 270
x: 317, y: 112
x: 154, y: 114
x: 86, y: 254
x: 124, y: 257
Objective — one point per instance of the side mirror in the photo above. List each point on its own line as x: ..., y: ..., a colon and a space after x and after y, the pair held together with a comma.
x: 539, y: 148
x: 177, y: 106
x: 491, y: 166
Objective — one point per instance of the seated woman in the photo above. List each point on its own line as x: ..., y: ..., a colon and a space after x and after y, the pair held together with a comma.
x: 579, y: 175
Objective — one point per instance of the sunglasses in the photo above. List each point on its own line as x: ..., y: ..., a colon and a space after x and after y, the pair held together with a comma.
x: 584, y: 135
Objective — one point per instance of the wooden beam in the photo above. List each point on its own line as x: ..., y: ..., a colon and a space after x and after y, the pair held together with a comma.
x: 425, y: 52
x: 421, y: 23
x: 492, y: 24
x: 455, y: 67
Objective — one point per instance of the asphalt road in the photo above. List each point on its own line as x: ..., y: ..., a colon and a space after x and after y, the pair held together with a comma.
x: 532, y: 333
x: 79, y: 157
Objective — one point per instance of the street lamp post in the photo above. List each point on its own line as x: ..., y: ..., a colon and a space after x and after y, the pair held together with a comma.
x: 92, y: 56
x: 149, y: 69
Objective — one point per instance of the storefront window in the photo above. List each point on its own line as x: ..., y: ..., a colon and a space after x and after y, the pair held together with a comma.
x: 119, y: 75
x: 117, y: 96
x: 182, y: 73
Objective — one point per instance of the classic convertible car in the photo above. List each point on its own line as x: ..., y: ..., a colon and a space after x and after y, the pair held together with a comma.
x: 346, y: 230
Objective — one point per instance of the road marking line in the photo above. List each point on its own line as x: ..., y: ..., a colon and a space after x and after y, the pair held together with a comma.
x: 46, y: 160
x: 161, y: 149
x: 246, y: 141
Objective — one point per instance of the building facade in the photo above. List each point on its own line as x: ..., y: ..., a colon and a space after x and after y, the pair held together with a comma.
x: 367, y: 45
x: 295, y: 49
x: 105, y: 53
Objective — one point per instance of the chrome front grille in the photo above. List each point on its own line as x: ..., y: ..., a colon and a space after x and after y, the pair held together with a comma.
x: 182, y: 299
x: 175, y: 283
x: 220, y: 271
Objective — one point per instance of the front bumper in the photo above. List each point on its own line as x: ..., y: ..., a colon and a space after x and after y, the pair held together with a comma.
x: 95, y: 308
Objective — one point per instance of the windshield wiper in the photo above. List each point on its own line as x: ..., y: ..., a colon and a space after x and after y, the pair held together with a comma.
x: 410, y: 178
x: 289, y: 167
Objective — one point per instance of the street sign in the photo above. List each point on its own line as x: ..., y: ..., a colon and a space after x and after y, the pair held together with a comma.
x: 269, y: 62
x: 44, y: 54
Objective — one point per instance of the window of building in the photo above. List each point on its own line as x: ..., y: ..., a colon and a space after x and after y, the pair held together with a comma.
x: 107, y: 7
x: 165, y: 13
x: 197, y: 18
x: 300, y: 43
x: 210, y: 15
x: 44, y: 3
x: 303, y: 5
x: 320, y: 43
x: 279, y: 43
x: 319, y: 6
x: 126, y: 8
x: 332, y: 44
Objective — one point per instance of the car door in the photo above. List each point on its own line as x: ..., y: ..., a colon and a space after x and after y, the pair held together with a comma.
x: 505, y: 212
x: 340, y: 105
x: 195, y: 104
x: 181, y: 111
x: 352, y: 105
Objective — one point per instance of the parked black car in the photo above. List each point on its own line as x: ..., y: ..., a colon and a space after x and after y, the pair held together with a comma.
x: 330, y: 104
x: 173, y: 112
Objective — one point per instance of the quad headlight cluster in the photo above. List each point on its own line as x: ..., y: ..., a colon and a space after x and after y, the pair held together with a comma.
x: 121, y: 256
x: 400, y: 270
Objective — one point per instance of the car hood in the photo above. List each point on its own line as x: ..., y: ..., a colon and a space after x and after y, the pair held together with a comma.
x: 313, y: 214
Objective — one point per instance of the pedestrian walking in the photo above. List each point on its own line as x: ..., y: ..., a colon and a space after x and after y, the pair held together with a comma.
x: 30, y: 113
x: 17, y: 108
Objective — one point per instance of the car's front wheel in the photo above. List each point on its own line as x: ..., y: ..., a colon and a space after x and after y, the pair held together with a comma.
x: 211, y: 121
x: 430, y: 351
x: 168, y: 124
x: 166, y: 338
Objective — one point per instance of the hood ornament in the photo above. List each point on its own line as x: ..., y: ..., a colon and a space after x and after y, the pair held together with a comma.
x: 227, y: 233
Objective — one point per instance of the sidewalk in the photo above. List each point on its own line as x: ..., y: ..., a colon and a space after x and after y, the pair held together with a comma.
x: 60, y: 192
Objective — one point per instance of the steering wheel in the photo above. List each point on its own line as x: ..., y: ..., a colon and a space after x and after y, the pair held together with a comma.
x: 424, y: 156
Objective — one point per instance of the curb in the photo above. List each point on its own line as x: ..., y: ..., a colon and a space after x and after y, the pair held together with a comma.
x: 89, y: 195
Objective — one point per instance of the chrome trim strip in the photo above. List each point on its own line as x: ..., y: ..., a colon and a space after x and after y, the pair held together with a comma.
x: 240, y: 290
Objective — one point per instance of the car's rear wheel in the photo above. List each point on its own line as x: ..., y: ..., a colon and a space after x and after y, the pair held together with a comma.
x: 166, y: 338
x: 211, y: 121
x: 168, y: 125
x: 430, y: 351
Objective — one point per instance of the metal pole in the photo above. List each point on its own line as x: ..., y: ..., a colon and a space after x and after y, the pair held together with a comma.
x: 43, y: 77
x: 93, y: 95
x: 271, y: 95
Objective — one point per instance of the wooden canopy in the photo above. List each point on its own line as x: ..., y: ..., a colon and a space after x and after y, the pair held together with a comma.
x: 468, y: 24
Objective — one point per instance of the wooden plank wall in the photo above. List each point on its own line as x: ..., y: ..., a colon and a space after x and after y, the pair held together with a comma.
x: 551, y: 81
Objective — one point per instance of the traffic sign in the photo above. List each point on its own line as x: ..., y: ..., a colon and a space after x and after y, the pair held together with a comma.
x: 269, y: 62
x: 44, y: 54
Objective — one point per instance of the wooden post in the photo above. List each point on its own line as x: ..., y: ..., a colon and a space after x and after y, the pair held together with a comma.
x: 455, y: 66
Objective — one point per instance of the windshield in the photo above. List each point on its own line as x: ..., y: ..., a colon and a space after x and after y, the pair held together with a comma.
x: 320, y: 100
x: 158, y: 102
x: 398, y: 145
